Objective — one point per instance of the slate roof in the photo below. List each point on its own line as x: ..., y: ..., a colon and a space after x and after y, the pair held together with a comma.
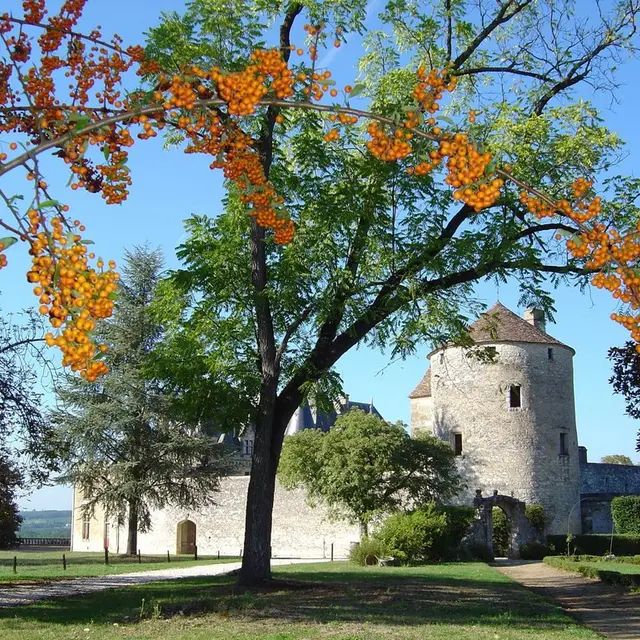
x: 423, y: 390
x: 324, y: 421
x: 499, y: 324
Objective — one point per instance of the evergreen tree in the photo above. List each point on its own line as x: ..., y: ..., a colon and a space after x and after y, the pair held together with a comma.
x: 124, y: 450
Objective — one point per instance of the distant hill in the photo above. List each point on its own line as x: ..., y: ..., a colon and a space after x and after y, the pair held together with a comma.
x: 45, y: 524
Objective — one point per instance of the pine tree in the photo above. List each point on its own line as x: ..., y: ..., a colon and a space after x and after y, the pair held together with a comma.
x: 124, y: 450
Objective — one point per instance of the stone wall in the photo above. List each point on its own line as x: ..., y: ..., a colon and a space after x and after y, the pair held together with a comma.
x: 298, y: 530
x: 515, y: 451
x: 620, y: 479
x: 421, y: 415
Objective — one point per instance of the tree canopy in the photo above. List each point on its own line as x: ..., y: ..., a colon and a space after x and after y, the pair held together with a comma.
x: 626, y: 379
x: 616, y: 458
x: 364, y: 467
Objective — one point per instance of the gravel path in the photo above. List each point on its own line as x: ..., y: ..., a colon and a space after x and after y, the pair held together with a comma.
x: 19, y: 594
x: 613, y: 612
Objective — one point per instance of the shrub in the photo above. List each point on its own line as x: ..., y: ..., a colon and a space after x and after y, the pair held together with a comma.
x: 501, y: 532
x: 459, y: 519
x: 534, y: 551
x: 478, y: 551
x: 415, y: 537
x: 589, y: 571
x: 535, y: 515
x: 597, y: 544
x: 367, y: 552
x: 626, y: 514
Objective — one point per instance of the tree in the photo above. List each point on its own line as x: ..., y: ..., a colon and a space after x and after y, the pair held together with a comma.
x: 10, y: 519
x: 617, y: 458
x: 364, y: 467
x: 383, y: 252
x: 626, y: 380
x: 124, y: 450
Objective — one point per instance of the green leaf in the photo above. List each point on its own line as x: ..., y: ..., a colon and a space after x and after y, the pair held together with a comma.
x: 8, y: 241
x: 48, y: 203
x: 357, y: 89
x: 447, y: 120
x: 87, y: 242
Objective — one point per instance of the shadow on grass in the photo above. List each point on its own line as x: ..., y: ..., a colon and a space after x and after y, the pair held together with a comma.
x: 423, y: 595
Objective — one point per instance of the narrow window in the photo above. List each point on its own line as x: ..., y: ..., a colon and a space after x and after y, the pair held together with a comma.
x: 86, y: 523
x: 457, y: 444
x: 550, y: 353
x: 515, y: 399
x: 563, y: 444
x: 248, y: 447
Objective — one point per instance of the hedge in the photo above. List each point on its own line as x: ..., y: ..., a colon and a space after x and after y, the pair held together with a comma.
x: 626, y: 514
x: 589, y: 571
x: 597, y: 544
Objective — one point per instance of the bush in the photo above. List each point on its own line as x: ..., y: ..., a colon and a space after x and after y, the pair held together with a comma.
x: 535, y: 515
x: 459, y: 520
x: 597, y: 544
x: 478, y: 551
x: 501, y: 532
x: 535, y: 551
x: 367, y: 552
x: 415, y: 537
x: 626, y: 514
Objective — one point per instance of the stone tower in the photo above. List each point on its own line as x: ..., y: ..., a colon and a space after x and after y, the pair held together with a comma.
x: 507, y: 408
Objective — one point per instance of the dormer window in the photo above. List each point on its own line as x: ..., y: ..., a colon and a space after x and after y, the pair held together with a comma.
x: 515, y: 396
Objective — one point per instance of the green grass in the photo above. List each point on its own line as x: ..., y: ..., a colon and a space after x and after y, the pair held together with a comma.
x: 336, y: 601
x: 47, y: 565
x: 616, y: 573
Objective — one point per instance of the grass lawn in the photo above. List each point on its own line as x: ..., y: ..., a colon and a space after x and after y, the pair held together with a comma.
x: 336, y: 601
x: 47, y: 565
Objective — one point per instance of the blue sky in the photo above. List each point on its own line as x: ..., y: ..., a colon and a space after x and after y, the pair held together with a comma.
x: 167, y: 189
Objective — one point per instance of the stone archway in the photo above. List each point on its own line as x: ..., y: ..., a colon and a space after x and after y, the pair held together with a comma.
x: 186, y: 537
x: 521, y: 531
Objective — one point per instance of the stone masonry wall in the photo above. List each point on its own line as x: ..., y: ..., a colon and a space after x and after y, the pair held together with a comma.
x: 621, y: 479
x: 298, y: 530
x: 513, y: 450
x: 421, y: 415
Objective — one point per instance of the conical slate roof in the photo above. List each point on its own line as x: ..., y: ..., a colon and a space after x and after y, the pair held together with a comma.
x: 423, y: 390
x: 499, y: 324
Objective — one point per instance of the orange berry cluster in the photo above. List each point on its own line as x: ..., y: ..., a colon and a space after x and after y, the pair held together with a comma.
x: 431, y: 87
x: 71, y: 292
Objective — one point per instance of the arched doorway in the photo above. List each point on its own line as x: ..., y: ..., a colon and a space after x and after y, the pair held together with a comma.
x: 500, y: 533
x: 186, y: 538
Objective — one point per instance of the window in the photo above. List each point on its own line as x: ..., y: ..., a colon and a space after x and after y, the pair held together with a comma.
x: 248, y: 447
x: 563, y: 445
x: 550, y: 353
x: 86, y: 523
x: 515, y: 398
x: 457, y: 444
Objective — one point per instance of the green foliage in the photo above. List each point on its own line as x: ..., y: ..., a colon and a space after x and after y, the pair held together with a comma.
x: 625, y: 511
x: 535, y: 551
x: 363, y: 467
x: 597, y: 544
x: 417, y: 537
x: 501, y: 532
x: 535, y: 515
x: 459, y: 519
x: 368, y: 551
x: 616, y: 458
x: 626, y: 378
x: 10, y: 519
x: 478, y: 551
x: 124, y: 447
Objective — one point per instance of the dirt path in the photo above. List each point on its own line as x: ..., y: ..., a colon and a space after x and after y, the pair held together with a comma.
x: 613, y: 612
x: 19, y: 594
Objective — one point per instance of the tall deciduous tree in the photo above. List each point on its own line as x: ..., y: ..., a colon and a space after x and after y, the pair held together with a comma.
x: 10, y: 519
x: 381, y: 255
x: 364, y: 467
x: 616, y: 458
x: 124, y: 450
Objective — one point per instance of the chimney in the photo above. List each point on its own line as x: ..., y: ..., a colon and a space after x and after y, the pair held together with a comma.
x: 536, y: 318
x: 582, y: 455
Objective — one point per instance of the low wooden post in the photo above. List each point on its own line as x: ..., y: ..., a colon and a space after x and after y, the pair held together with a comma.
x: 195, y: 552
x: 15, y: 564
x: 106, y: 555
x: 218, y: 555
x: 332, y: 552
x: 168, y: 556
x: 139, y: 557
x: 64, y: 561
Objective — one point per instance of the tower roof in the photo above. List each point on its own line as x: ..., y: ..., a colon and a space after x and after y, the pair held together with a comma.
x: 423, y: 389
x: 499, y: 324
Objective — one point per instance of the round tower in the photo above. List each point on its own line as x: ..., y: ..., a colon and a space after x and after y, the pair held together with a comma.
x: 507, y: 408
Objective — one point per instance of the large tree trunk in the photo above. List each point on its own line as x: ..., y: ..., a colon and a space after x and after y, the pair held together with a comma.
x: 132, y: 528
